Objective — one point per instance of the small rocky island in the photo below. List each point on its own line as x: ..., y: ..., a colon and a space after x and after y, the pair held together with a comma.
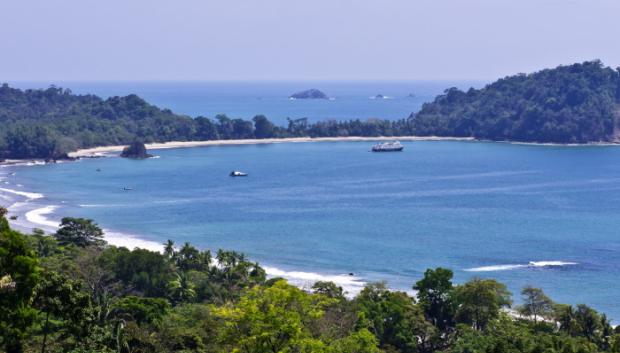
x: 136, y: 150
x: 309, y: 94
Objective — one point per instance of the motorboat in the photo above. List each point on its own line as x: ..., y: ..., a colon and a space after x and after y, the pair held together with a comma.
x: 236, y: 173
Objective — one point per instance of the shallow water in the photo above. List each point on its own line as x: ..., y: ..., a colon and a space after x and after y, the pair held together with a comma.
x: 546, y: 216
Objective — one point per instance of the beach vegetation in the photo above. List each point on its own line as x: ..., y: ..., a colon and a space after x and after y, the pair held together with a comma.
x: 89, y: 296
x: 569, y: 104
x: 79, y: 232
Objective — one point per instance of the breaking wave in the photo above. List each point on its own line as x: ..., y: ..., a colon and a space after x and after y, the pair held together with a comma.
x: 29, y: 195
x: 531, y: 264
x: 352, y: 285
x: 38, y: 216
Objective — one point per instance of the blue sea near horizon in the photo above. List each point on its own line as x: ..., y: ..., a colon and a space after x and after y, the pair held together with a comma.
x: 238, y: 99
x: 546, y: 216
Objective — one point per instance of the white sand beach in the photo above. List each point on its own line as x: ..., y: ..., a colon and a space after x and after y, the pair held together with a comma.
x: 101, y: 151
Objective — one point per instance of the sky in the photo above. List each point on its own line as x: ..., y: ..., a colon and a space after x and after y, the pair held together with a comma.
x: 300, y: 40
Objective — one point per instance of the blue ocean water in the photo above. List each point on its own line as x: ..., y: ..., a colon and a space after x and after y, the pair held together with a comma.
x: 351, y: 100
x: 546, y: 216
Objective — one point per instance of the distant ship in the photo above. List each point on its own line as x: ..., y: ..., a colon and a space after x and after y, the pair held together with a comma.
x: 236, y: 173
x: 388, y: 147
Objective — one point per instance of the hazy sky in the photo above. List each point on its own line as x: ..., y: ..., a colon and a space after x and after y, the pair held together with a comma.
x: 289, y: 39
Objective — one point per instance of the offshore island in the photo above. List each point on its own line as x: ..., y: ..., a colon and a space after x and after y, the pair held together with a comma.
x: 70, y: 291
x: 573, y: 104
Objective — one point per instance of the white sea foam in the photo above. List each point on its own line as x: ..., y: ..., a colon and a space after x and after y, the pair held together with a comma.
x: 352, y: 285
x: 531, y: 264
x: 130, y: 241
x: 23, y: 164
x: 550, y: 263
x: 29, y: 195
x: 38, y: 216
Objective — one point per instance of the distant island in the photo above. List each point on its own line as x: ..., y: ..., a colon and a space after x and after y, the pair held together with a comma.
x: 309, y: 94
x: 578, y: 103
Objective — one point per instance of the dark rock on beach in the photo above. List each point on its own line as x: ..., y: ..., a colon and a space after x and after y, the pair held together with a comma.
x: 136, y: 150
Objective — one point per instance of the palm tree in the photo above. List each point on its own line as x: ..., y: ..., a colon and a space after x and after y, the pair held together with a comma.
x: 169, y: 249
x: 181, y: 289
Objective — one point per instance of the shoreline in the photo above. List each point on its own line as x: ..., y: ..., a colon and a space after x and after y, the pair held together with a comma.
x: 104, y: 150
x: 43, y: 215
x: 33, y: 211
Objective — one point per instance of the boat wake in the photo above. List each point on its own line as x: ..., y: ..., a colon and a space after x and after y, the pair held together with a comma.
x: 531, y: 264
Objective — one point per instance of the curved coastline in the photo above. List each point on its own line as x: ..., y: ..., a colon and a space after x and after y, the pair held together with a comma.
x: 33, y: 211
x: 105, y: 150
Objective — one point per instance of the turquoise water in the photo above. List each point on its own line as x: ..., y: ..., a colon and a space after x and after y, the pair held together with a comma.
x: 326, y: 209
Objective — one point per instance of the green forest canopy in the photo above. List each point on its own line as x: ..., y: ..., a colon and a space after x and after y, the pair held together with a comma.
x: 569, y: 104
x: 71, y: 292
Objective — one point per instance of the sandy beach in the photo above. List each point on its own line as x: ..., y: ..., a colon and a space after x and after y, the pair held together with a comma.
x: 101, y: 151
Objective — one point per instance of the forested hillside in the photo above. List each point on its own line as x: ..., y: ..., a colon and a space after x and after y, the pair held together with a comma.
x: 51, y: 122
x: 568, y: 104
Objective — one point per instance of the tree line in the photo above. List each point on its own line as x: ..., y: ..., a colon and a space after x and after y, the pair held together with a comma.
x: 568, y: 104
x: 577, y: 103
x: 50, y: 123
x: 72, y: 292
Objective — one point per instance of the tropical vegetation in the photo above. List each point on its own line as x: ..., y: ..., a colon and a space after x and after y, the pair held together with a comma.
x: 71, y: 292
x: 569, y: 104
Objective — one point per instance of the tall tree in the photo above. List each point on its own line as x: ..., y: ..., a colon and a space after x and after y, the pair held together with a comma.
x: 536, y: 303
x: 434, y: 293
x: 479, y: 301
x: 79, y: 231
x: 263, y: 128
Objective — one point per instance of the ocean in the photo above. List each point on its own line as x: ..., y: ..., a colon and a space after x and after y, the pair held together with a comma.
x: 348, y: 100
x: 546, y: 216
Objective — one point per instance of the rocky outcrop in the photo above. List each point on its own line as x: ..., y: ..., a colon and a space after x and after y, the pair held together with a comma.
x: 309, y: 94
x: 136, y: 150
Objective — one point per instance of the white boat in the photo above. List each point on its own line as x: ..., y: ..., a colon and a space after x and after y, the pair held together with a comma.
x: 394, y: 146
x: 236, y: 173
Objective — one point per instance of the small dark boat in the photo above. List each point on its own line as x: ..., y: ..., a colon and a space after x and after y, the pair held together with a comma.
x: 236, y: 173
x: 127, y: 189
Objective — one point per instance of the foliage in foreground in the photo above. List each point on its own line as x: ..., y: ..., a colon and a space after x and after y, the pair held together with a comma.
x: 71, y: 292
